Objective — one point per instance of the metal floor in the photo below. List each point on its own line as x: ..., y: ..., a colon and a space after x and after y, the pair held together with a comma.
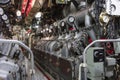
x: 39, y: 75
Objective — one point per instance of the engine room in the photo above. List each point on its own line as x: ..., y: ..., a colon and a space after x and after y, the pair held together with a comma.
x: 59, y: 40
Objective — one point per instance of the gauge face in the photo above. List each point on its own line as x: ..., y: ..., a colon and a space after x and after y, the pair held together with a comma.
x: 38, y: 15
x: 55, y: 24
x: 4, y: 17
x: 4, y: 1
x: 106, y: 19
x: 18, y: 13
x: 71, y: 19
x: 1, y: 11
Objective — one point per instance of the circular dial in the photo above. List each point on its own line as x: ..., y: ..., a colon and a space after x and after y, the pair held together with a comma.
x: 71, y: 19
x: 106, y: 19
x: 55, y: 24
x: 1, y: 11
x: 4, y: 17
x: 38, y: 15
x: 18, y: 13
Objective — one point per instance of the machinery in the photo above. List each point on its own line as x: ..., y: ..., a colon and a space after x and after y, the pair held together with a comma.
x: 70, y: 39
x: 61, y: 45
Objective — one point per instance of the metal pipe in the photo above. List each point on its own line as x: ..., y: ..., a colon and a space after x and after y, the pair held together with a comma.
x: 79, y: 16
x: 24, y: 46
x: 30, y: 39
x: 84, y: 64
x: 88, y: 23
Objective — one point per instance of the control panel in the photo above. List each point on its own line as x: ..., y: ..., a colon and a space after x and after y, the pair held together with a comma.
x: 95, y: 63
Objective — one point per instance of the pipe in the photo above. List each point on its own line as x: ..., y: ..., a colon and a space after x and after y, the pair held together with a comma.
x: 79, y: 16
x: 88, y: 23
x: 30, y: 39
x: 24, y: 46
x: 80, y: 69
x: 84, y: 64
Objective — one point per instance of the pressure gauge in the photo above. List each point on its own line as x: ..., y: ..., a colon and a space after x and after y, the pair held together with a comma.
x: 1, y: 11
x: 71, y: 19
x: 18, y: 13
x: 38, y: 15
x: 55, y: 24
x: 104, y: 18
x: 4, y: 17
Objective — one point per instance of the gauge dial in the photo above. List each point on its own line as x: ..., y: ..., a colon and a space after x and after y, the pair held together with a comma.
x: 71, y: 19
x: 18, y: 13
x: 4, y: 17
x: 106, y: 19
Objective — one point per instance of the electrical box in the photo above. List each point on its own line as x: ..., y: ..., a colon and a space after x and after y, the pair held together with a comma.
x: 113, y: 7
x: 61, y: 1
x: 95, y: 63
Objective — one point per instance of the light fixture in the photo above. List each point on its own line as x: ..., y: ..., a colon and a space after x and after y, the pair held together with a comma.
x: 55, y: 24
